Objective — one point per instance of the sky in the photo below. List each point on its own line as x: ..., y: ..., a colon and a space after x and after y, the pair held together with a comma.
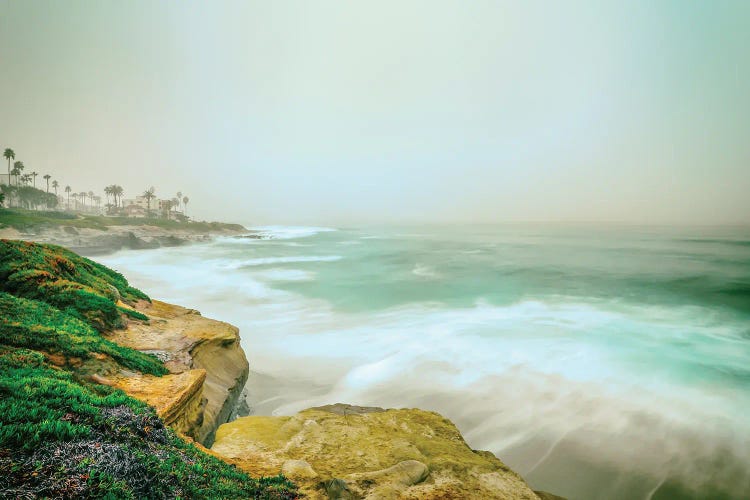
x: 335, y: 112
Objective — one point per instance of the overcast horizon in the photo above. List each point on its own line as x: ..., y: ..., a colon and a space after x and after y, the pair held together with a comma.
x: 333, y: 113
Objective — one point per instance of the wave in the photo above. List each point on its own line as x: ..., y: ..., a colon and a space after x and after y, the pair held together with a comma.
x: 264, y: 261
x: 593, y: 382
x: 536, y: 383
x: 424, y: 271
x: 278, y: 274
x: 289, y: 232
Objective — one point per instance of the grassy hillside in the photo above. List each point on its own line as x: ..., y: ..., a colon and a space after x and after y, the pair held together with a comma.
x: 31, y: 219
x: 62, y: 435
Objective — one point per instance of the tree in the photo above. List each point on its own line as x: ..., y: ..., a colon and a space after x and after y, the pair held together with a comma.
x: 2, y: 199
x: 26, y: 178
x: 17, y: 169
x: 34, y: 174
x: 179, y: 198
x: 55, y: 185
x: 118, y: 192
x: 166, y: 207
x: 47, y: 177
x: 32, y: 198
x: 75, y: 201
x: 149, y: 195
x: 185, y: 201
x: 67, y: 190
x: 9, y: 155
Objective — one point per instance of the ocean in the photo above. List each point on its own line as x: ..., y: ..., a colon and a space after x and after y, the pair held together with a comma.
x: 599, y: 362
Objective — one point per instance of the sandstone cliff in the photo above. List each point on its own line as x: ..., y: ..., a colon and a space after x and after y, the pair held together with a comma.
x: 208, y: 368
x: 343, y: 451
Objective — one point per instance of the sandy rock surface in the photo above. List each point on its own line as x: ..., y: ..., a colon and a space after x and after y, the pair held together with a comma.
x: 342, y: 451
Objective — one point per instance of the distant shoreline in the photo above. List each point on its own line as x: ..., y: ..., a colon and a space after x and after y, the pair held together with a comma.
x: 99, y: 235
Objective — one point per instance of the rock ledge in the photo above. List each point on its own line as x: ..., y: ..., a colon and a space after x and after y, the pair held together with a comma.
x: 348, y: 452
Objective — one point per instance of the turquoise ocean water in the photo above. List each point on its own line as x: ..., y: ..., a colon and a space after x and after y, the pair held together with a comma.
x: 598, y: 362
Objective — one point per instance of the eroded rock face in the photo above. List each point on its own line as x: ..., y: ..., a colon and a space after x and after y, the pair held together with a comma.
x: 207, y: 365
x: 341, y: 451
x: 177, y: 398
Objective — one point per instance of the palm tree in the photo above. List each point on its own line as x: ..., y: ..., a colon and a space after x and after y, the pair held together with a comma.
x: 26, y: 178
x: 55, y: 185
x: 179, y: 198
x: 17, y: 169
x: 185, y: 201
x: 34, y: 174
x: 75, y: 201
x: 9, y: 155
x: 67, y: 190
x: 169, y: 205
x: 47, y: 177
x: 149, y: 195
x: 82, y: 195
x: 118, y: 192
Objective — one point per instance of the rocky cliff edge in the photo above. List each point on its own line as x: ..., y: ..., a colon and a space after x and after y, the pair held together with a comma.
x: 208, y: 368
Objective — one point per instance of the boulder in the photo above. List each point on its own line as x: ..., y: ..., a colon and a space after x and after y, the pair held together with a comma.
x: 370, y: 453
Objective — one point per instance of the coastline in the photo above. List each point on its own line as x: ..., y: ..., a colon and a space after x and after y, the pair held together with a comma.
x: 206, y: 371
x: 134, y: 234
x: 299, y: 304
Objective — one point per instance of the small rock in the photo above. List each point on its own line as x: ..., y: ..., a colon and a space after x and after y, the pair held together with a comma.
x: 403, y: 474
x: 298, y: 469
x: 337, y: 489
x: 100, y: 380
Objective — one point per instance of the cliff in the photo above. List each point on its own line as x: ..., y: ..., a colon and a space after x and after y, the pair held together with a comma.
x: 67, y: 430
x: 208, y: 368
x: 347, y: 452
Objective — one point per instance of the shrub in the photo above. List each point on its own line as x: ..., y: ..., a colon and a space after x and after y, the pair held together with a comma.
x: 69, y: 282
x: 65, y: 438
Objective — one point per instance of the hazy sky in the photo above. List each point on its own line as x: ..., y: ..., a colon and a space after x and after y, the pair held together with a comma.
x: 336, y: 112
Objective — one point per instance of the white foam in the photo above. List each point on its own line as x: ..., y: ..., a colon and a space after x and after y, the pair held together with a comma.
x: 536, y: 375
x: 424, y: 271
x: 279, y: 274
x: 289, y: 232
x: 263, y: 261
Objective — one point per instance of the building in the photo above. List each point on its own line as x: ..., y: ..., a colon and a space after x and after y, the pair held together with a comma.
x: 139, y: 201
x: 134, y: 210
x: 139, y: 206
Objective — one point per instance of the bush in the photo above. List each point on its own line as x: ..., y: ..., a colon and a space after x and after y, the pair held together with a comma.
x: 69, y: 282
x: 64, y: 438
x: 35, y: 325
